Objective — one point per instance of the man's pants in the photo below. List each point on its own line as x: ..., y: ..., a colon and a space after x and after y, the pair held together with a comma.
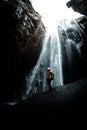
x: 49, y: 84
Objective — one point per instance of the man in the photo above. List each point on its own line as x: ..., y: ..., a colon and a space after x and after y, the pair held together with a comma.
x: 50, y: 77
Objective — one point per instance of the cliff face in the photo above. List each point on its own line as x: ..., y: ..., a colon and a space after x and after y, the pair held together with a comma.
x: 23, y: 34
x: 73, y: 39
x: 78, y: 6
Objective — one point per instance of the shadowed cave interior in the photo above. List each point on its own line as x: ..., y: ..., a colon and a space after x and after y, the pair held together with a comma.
x: 24, y: 34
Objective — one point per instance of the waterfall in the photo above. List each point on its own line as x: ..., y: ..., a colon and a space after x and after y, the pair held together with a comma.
x: 51, y: 56
x: 56, y: 58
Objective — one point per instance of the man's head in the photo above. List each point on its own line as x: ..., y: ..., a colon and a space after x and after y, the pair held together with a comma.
x: 48, y: 69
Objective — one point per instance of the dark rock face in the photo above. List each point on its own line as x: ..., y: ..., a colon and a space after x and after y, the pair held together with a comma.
x: 64, y: 104
x: 25, y: 31
x: 23, y: 34
x: 73, y: 39
x: 78, y: 6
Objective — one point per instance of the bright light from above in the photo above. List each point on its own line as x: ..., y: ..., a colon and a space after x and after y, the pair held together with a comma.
x: 53, y: 11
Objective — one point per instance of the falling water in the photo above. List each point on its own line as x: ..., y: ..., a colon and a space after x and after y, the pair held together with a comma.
x: 56, y: 58
x: 51, y: 55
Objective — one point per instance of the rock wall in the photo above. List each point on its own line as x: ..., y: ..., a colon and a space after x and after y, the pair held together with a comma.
x: 23, y: 32
x: 78, y: 6
x: 73, y: 39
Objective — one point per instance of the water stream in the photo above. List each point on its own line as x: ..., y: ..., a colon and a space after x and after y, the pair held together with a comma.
x: 51, y: 55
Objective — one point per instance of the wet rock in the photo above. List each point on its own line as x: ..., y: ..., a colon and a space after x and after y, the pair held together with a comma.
x: 74, y: 48
x: 25, y: 31
x: 23, y: 34
x: 78, y: 6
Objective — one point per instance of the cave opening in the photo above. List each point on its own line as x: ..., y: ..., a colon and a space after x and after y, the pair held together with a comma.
x: 57, y: 45
x: 63, y: 47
